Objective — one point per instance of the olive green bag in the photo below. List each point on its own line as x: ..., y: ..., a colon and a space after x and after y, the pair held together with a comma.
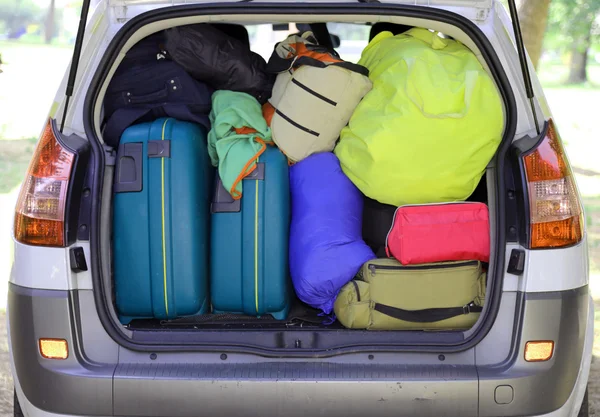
x: 386, y: 295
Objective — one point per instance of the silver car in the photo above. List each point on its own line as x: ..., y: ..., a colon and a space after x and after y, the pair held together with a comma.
x: 529, y: 353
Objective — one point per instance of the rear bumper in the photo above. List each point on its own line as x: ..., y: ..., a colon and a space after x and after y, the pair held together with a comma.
x: 188, y: 384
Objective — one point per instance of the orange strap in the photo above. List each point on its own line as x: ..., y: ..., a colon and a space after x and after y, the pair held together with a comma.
x: 248, y: 168
x: 302, y: 50
x: 245, y: 130
x: 268, y: 111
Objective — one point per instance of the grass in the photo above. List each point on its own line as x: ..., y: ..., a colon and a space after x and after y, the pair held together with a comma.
x: 592, y: 214
x: 14, y: 158
x: 553, y: 75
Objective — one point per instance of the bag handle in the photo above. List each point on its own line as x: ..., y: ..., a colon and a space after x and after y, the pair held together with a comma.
x: 427, y: 315
x: 277, y: 64
x: 148, y: 98
x: 307, y: 60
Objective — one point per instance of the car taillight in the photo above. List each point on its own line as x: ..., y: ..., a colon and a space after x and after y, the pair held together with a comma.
x: 40, y: 210
x: 556, y: 215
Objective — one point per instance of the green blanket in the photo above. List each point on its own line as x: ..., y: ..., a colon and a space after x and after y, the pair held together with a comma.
x: 238, y: 136
x: 429, y: 126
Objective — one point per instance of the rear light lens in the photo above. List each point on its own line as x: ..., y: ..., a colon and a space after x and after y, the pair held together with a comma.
x: 539, y: 351
x: 556, y: 214
x: 40, y: 210
x: 54, y: 348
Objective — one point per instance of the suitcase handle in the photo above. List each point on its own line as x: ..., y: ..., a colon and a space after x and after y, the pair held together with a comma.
x: 223, y: 202
x: 128, y: 170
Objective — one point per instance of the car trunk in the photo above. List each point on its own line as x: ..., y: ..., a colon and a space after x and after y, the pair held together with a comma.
x: 304, y: 330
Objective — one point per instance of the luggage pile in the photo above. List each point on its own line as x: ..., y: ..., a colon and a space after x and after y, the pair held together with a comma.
x: 238, y: 179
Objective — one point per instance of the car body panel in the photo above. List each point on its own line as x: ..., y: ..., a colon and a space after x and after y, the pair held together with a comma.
x: 550, y: 269
x: 108, y: 379
x: 48, y: 268
x: 412, y: 384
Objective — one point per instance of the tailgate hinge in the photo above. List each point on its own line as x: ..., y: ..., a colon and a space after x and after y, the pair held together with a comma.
x: 482, y: 14
x: 120, y: 13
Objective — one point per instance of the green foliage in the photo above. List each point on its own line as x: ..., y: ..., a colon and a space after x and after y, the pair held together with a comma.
x: 571, y: 23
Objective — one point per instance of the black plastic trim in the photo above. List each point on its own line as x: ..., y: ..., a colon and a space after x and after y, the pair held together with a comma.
x: 77, y: 259
x: 85, y: 207
x: 516, y: 263
x: 80, y: 148
x: 374, y: 266
x: 387, y: 341
x: 513, y: 211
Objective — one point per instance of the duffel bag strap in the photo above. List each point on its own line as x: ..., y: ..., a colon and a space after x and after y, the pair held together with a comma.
x: 427, y: 315
x: 313, y: 62
x: 352, y: 67
x: 277, y: 64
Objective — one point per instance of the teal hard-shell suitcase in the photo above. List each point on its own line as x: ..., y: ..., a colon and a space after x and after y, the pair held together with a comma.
x: 249, y: 242
x: 160, y: 221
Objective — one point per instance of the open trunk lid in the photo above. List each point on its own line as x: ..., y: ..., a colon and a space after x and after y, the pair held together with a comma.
x: 479, y: 4
x: 471, y: 9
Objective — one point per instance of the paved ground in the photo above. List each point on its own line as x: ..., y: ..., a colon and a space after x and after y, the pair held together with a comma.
x: 594, y: 381
x: 6, y: 384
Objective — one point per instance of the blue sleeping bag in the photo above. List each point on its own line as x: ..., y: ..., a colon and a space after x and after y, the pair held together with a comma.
x: 326, y: 246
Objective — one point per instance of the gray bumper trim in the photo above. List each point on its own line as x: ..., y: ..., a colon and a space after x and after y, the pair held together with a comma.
x: 72, y: 386
x: 352, y: 385
x: 295, y: 389
x: 541, y: 387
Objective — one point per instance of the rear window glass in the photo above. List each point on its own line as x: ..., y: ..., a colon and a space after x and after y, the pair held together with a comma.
x: 353, y: 38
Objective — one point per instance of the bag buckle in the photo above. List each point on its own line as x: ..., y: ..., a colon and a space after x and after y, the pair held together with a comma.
x: 467, y: 308
x: 291, y: 67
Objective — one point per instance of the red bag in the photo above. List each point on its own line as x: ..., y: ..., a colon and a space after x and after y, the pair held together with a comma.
x: 439, y: 233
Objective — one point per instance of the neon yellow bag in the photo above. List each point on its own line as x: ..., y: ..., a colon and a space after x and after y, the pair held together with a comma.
x: 429, y: 126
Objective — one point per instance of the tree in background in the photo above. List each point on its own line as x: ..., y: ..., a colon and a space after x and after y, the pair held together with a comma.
x: 533, y: 16
x: 572, y: 27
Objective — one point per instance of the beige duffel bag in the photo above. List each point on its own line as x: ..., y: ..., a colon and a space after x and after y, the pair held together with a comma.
x: 387, y: 295
x: 314, y: 95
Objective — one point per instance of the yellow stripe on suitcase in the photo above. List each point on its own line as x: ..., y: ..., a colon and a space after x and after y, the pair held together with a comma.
x: 256, y: 243
x: 164, y: 245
